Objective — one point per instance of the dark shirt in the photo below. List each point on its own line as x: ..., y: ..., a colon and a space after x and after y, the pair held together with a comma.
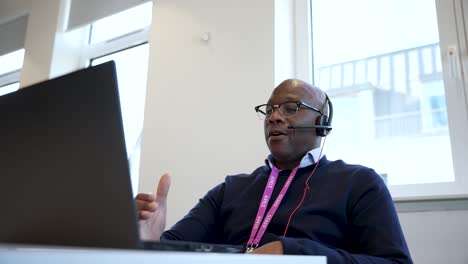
x: 348, y: 214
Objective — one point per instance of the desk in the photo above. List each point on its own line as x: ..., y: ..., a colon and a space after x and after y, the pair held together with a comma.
x: 54, y: 255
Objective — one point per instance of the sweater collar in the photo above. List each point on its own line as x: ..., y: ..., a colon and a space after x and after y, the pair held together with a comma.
x: 309, y: 158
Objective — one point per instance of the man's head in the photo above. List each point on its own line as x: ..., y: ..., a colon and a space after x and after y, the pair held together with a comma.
x: 288, y: 146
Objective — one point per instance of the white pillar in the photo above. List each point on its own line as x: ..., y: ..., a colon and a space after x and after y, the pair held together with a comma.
x: 49, y: 50
x: 211, y: 62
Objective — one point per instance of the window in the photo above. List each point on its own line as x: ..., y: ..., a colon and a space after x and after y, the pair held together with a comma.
x: 11, y: 62
x: 123, y: 38
x: 10, y: 66
x: 380, y: 62
x: 121, y: 24
x: 9, y: 88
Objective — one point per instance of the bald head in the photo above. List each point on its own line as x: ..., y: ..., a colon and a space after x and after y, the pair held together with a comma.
x: 308, y: 93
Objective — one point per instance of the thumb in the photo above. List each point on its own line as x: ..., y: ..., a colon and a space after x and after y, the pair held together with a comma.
x: 163, y: 187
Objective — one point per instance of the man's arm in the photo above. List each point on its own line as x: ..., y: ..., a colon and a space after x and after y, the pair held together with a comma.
x: 200, y: 224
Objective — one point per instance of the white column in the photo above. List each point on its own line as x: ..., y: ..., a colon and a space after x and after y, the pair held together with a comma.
x: 211, y: 62
x: 49, y: 50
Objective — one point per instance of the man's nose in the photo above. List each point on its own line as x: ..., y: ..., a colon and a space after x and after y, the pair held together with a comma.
x: 275, y: 116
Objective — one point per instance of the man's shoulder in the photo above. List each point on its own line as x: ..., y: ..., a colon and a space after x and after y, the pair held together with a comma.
x: 236, y: 184
x: 349, y: 166
x: 355, y: 171
x: 259, y: 174
x: 260, y: 171
x: 356, y: 178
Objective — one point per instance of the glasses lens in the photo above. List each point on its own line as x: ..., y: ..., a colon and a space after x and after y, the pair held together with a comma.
x: 288, y: 109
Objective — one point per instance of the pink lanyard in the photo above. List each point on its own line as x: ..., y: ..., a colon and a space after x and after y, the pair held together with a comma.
x: 257, y: 229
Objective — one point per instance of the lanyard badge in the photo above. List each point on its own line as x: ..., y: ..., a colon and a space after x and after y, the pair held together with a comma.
x: 261, y: 224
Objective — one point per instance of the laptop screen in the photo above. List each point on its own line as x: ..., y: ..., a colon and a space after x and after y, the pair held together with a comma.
x: 64, y: 171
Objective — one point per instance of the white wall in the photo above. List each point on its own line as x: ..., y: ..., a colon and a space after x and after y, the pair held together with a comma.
x: 436, y: 237
x: 199, y: 119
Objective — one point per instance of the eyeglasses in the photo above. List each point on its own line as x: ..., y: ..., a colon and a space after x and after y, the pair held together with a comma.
x: 287, y: 109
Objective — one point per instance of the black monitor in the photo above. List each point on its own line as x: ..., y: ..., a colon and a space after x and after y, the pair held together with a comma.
x: 64, y: 174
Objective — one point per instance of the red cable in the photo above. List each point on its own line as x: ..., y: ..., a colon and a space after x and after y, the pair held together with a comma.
x: 307, y: 185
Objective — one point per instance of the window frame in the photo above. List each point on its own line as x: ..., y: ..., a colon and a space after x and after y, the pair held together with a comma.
x: 127, y: 41
x: 450, y: 16
x: 10, y: 78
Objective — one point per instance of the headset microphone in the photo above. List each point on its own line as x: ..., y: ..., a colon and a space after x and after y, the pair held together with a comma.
x: 310, y: 127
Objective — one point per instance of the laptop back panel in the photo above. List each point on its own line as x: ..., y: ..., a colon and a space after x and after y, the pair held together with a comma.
x: 64, y: 176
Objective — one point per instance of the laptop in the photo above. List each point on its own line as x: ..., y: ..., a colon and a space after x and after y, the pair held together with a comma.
x: 64, y: 174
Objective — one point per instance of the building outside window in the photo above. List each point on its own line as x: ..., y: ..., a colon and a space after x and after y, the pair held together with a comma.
x: 382, y: 68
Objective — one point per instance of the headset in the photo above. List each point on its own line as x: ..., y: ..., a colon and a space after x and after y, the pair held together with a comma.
x: 324, y: 121
x: 323, y: 124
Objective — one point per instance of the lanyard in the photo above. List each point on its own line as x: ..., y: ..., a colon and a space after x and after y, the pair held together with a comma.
x: 257, y: 229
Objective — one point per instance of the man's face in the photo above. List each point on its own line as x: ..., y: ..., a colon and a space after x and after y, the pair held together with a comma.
x: 287, y: 145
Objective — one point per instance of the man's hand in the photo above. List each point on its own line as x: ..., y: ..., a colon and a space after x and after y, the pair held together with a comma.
x: 275, y: 247
x: 152, y: 210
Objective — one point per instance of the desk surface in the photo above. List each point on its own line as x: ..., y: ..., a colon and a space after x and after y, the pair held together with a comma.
x: 52, y: 255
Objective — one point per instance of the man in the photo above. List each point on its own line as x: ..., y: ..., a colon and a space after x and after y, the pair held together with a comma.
x: 317, y: 206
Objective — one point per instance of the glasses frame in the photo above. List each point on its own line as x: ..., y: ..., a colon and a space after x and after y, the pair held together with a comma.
x: 278, y: 106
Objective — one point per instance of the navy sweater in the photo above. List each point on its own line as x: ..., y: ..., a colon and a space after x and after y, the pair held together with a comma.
x: 347, y: 215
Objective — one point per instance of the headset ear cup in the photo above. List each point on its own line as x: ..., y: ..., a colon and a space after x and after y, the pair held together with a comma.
x: 325, y: 120
x: 322, y: 121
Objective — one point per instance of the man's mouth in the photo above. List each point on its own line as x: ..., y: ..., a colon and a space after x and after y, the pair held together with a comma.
x: 277, y: 134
